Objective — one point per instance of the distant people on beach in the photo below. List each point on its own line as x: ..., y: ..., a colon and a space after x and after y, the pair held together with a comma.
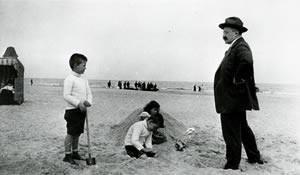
x: 109, y: 84
x: 199, y: 88
x: 138, y: 85
x: 195, y: 88
x: 78, y: 96
x: 125, y: 84
x: 31, y: 82
x: 150, y: 86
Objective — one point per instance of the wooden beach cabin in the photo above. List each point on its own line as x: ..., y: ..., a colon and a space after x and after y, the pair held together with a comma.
x: 11, y: 72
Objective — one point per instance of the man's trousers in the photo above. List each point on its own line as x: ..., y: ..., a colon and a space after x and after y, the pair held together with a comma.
x: 235, y: 133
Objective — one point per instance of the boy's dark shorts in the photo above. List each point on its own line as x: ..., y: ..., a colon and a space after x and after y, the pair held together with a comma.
x: 75, y: 121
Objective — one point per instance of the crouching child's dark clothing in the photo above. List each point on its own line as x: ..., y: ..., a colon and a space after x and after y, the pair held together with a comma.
x: 158, y: 137
x: 134, y: 152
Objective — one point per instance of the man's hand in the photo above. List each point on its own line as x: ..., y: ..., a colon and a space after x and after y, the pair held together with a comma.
x: 81, y: 106
x: 87, y: 104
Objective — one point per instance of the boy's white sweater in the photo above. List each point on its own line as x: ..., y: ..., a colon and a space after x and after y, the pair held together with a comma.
x: 76, y: 89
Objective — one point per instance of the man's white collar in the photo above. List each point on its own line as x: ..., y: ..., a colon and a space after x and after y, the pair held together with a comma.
x: 235, y: 40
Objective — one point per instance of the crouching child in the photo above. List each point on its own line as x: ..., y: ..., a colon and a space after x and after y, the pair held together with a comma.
x: 138, y: 140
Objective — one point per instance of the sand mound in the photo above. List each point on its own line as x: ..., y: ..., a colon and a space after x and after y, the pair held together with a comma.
x: 173, y: 128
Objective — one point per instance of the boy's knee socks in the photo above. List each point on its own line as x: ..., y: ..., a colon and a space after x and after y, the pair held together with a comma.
x: 75, y: 141
x: 68, y: 144
x: 71, y: 144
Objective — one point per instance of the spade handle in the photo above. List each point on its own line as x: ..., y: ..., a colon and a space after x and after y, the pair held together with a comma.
x: 88, y: 134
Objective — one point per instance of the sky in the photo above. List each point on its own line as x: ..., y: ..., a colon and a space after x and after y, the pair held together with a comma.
x: 162, y: 40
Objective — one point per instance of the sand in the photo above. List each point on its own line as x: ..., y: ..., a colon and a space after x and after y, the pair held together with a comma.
x: 32, y: 134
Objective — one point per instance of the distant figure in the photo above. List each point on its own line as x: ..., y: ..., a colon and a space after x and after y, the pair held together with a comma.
x: 78, y: 95
x: 128, y: 84
x: 194, y: 87
x: 125, y: 85
x: 148, y: 86
x: 136, y: 85
x: 155, y: 86
x: 143, y: 86
x: 199, y: 88
x: 234, y: 91
x: 31, y: 82
x: 109, y: 84
x: 120, y: 84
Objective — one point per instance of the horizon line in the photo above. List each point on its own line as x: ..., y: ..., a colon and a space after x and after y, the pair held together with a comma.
x: 189, y: 81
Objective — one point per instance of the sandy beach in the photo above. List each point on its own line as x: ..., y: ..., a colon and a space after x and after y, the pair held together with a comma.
x: 32, y: 134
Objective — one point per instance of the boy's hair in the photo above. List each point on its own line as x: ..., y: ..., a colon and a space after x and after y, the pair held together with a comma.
x: 157, y: 119
x: 76, y: 59
x: 152, y: 104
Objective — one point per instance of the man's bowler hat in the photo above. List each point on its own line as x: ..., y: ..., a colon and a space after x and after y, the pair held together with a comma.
x: 234, y: 22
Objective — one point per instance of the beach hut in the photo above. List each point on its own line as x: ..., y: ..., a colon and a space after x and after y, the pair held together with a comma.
x: 12, y: 71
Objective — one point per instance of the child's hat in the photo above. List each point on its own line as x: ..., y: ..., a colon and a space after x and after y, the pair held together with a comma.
x: 144, y: 114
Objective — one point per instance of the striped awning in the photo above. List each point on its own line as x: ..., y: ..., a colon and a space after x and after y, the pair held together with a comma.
x: 8, y: 61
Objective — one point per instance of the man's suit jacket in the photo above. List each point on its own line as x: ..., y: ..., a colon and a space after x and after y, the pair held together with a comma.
x: 234, y: 84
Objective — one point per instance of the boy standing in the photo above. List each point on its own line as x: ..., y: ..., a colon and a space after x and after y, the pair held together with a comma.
x: 138, y: 139
x: 78, y: 96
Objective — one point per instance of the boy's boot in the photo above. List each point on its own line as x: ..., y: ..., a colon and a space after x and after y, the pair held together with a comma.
x: 76, y: 156
x: 68, y: 158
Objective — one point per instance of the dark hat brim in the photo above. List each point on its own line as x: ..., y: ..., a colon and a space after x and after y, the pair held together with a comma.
x: 240, y: 28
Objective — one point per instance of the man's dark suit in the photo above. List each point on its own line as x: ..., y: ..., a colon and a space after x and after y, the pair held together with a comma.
x: 234, y: 90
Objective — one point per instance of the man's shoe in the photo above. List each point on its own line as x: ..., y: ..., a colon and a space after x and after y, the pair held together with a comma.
x: 226, y: 167
x: 259, y: 161
x: 231, y: 168
x: 68, y: 158
x: 76, y: 156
